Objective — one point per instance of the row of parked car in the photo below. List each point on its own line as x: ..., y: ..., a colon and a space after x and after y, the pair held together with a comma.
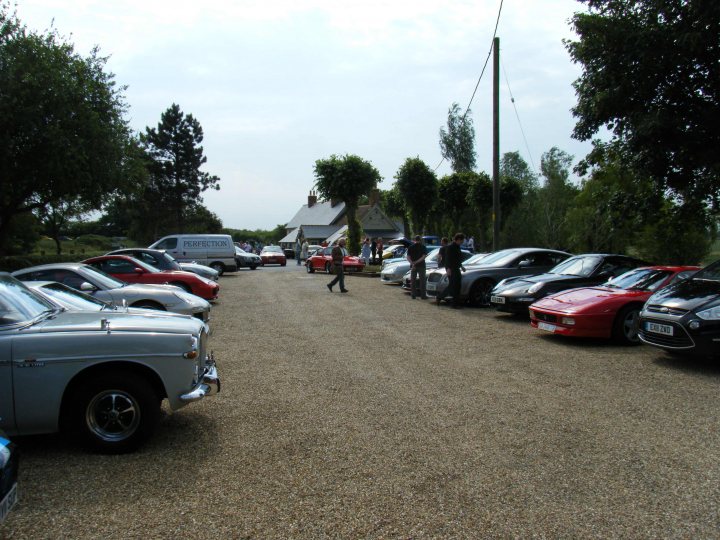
x: 613, y: 296
x: 103, y: 341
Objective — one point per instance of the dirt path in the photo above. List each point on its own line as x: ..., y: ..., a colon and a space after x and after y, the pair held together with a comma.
x: 373, y: 415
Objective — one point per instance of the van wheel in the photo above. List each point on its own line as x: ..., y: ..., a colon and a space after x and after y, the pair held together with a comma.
x: 218, y: 267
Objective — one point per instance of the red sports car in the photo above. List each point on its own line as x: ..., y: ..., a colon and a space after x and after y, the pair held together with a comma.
x: 610, y: 310
x: 273, y: 255
x: 131, y: 270
x: 321, y: 260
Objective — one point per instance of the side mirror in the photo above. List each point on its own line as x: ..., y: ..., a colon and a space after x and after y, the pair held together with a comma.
x: 139, y: 271
x: 87, y: 287
x: 523, y: 264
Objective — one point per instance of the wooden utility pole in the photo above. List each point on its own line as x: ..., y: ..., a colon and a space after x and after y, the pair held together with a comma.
x: 496, y: 144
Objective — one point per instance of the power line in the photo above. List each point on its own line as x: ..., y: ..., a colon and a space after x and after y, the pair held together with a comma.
x: 487, y: 59
x: 512, y: 99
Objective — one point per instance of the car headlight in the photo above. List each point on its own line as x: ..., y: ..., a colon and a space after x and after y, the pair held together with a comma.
x: 712, y: 314
x: 535, y: 288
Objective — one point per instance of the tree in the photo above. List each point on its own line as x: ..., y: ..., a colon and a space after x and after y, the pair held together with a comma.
x: 175, y: 157
x: 457, y: 144
x: 394, y: 206
x: 346, y: 178
x: 62, y: 136
x: 514, y: 167
x: 650, y: 77
x: 555, y: 198
x: 453, y: 197
x: 417, y: 185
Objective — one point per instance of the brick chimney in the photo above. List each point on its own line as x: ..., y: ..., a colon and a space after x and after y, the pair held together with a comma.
x: 374, y: 197
x: 312, y: 199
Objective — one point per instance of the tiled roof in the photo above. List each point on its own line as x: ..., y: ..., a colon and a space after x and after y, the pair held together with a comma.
x: 321, y: 213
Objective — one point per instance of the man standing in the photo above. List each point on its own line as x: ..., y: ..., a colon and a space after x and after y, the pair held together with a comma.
x: 337, y: 254
x: 441, y: 254
x: 373, y: 250
x: 453, y: 266
x: 416, y: 254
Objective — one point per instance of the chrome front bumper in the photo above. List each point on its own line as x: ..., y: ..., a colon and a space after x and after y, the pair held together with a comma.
x: 209, y: 384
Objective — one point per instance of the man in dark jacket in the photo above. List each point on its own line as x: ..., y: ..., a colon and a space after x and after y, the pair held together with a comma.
x: 441, y: 254
x: 337, y: 254
x: 416, y: 254
x: 453, y: 267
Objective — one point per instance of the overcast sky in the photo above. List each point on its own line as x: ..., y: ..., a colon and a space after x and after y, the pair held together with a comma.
x: 278, y: 84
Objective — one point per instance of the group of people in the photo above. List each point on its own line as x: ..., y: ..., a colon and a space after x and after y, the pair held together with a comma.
x: 449, y: 257
x: 371, y: 250
x: 301, y: 250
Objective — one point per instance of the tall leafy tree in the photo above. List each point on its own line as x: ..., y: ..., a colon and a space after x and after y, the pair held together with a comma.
x: 650, y: 76
x: 457, y: 143
x: 514, y: 167
x: 394, y: 206
x: 453, y: 197
x: 175, y: 158
x: 346, y: 178
x: 555, y: 198
x: 417, y: 185
x: 63, y: 135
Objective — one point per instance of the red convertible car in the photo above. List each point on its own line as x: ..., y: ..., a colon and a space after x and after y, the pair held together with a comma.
x: 273, y: 255
x: 321, y: 261
x: 131, y: 270
x: 610, y: 310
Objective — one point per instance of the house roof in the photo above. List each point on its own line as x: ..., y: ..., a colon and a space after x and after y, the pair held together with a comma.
x: 321, y: 213
x: 310, y: 231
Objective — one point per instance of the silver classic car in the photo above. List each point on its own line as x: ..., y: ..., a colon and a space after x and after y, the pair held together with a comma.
x: 100, y: 375
x: 108, y: 289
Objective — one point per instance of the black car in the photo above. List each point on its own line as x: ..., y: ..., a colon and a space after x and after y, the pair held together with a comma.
x: 8, y: 476
x: 685, y: 316
x: 515, y: 294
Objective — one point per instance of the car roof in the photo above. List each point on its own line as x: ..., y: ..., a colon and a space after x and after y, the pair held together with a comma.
x: 64, y: 265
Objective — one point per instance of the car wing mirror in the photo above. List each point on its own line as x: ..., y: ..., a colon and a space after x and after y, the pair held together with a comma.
x: 87, y: 287
x: 139, y: 271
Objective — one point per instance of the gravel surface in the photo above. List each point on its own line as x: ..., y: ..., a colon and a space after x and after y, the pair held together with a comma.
x: 371, y: 415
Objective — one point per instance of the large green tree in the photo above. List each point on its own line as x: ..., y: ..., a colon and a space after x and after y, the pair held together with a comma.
x: 418, y: 186
x: 394, y: 206
x: 346, y: 178
x: 457, y: 143
x: 63, y: 136
x: 650, y: 76
x: 555, y: 198
x: 175, y: 156
x: 453, y: 197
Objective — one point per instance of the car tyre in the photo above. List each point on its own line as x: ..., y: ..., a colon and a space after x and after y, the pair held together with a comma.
x: 114, y: 412
x: 253, y: 267
x: 626, y: 326
x: 480, y: 293
x: 328, y: 268
x: 184, y: 286
x: 218, y: 267
x: 309, y: 268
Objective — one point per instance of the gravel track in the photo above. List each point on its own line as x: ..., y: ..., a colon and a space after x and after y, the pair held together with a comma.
x: 371, y: 415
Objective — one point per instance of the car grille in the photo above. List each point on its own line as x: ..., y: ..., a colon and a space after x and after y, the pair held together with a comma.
x: 655, y: 308
x: 545, y: 316
x: 434, y: 278
x: 679, y: 340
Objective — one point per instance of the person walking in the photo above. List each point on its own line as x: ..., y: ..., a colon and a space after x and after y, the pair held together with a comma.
x: 416, y: 254
x: 304, y: 250
x: 453, y: 267
x: 298, y: 249
x: 379, y: 250
x: 373, y: 250
x: 337, y: 254
x: 365, y: 251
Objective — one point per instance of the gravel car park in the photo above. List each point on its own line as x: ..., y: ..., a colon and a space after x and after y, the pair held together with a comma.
x: 380, y: 417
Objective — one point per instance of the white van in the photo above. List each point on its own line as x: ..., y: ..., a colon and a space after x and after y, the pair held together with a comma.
x: 214, y: 250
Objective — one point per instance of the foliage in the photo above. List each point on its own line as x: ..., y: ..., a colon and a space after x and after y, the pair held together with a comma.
x: 394, y: 206
x: 63, y: 136
x: 514, y: 167
x: 417, y: 185
x: 555, y: 199
x: 346, y: 178
x: 453, y: 196
x: 650, y: 77
x: 265, y: 237
x: 174, y: 160
x: 457, y: 144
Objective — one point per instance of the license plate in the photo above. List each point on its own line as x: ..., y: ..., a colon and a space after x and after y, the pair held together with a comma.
x: 546, y: 326
x: 431, y: 286
x: 497, y: 299
x: 664, y: 329
x: 8, y: 502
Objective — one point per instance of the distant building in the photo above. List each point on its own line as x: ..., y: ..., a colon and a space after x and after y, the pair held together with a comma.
x: 326, y: 221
